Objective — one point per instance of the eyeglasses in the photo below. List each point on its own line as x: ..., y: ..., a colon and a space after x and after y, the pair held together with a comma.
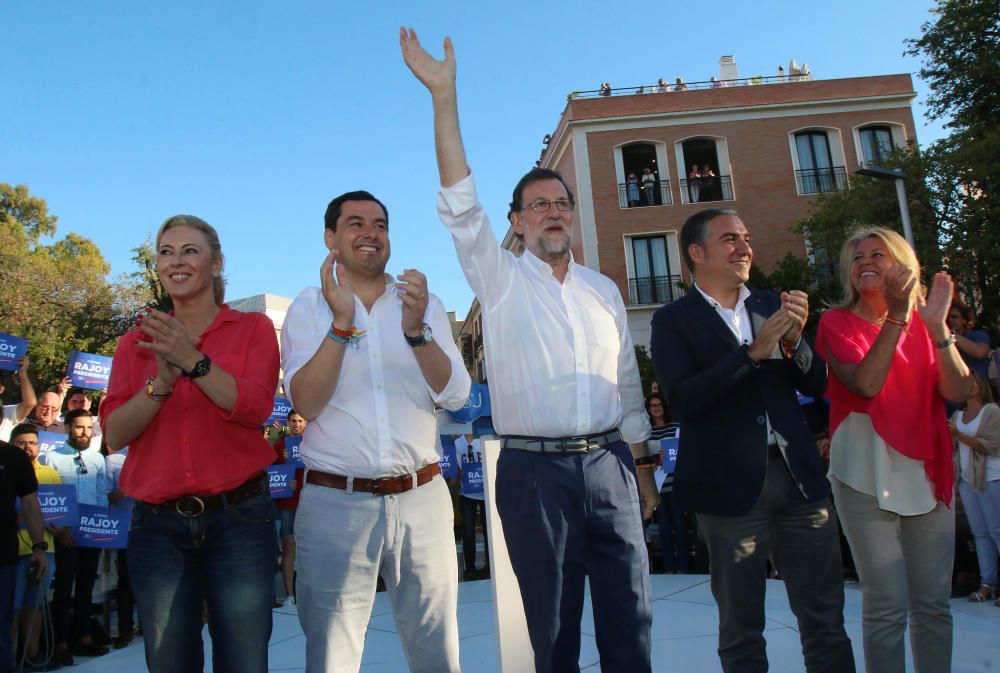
x: 543, y: 205
x: 80, y: 466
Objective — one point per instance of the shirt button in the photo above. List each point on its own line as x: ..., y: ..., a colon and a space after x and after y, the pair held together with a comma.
x: 761, y: 419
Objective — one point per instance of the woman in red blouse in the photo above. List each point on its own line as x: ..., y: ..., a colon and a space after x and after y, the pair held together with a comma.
x: 893, y: 363
x: 188, y: 392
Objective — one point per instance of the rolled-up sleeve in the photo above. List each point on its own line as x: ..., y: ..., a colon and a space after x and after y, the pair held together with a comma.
x: 454, y: 395
x: 120, y: 386
x: 257, y: 383
x: 301, y: 337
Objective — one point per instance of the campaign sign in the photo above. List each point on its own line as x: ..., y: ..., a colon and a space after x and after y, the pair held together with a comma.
x: 11, y: 350
x: 280, y: 412
x: 477, y: 405
x: 280, y: 478
x: 58, y: 503
x: 472, y: 473
x: 448, y: 462
x: 103, y: 527
x: 87, y: 370
x: 50, y: 441
x: 669, y: 447
x: 293, y: 445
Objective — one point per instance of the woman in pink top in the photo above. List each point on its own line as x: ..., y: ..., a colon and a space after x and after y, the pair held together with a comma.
x: 893, y: 362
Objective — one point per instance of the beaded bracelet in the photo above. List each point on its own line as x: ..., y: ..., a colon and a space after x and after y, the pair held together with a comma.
x: 156, y: 397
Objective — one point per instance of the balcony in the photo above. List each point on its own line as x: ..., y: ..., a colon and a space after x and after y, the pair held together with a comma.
x: 703, y: 190
x: 648, y: 196
x: 821, y: 180
x: 653, y: 290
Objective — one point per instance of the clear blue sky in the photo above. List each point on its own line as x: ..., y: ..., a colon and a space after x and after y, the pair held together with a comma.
x: 253, y: 115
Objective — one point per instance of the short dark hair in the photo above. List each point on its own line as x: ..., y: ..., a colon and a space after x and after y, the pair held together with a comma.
x: 293, y: 411
x: 695, y: 231
x: 658, y: 396
x: 22, y: 429
x: 75, y: 414
x: 333, y: 210
x: 535, y: 175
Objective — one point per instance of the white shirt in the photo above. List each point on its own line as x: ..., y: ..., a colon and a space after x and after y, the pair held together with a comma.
x: 467, y: 452
x: 737, y: 319
x: 9, y: 421
x: 380, y: 420
x: 91, y: 487
x: 560, y: 357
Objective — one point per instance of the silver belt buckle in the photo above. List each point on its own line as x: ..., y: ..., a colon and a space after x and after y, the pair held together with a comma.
x: 190, y: 506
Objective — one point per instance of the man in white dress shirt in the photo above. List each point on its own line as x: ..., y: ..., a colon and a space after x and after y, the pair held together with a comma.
x: 566, y: 399
x: 366, y: 357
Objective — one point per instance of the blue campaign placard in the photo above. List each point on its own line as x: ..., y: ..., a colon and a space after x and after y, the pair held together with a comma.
x: 472, y: 472
x: 293, y: 445
x: 58, y: 503
x: 11, y: 349
x: 50, y: 441
x: 448, y: 462
x: 280, y: 479
x: 669, y: 447
x: 477, y: 405
x: 87, y: 370
x: 103, y: 527
x: 280, y: 411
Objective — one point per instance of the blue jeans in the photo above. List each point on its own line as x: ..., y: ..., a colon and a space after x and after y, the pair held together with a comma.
x: 565, y: 518
x: 982, y: 508
x: 225, y: 559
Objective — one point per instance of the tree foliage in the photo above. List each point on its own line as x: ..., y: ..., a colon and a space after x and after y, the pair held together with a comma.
x: 56, y: 294
x: 952, y: 185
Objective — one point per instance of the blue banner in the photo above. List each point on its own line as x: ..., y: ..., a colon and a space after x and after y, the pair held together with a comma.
x: 293, y: 446
x: 103, y: 527
x: 280, y: 478
x: 11, y: 349
x: 669, y: 447
x: 449, y: 464
x: 88, y: 370
x: 477, y: 405
x: 472, y: 471
x: 49, y: 441
x: 280, y: 411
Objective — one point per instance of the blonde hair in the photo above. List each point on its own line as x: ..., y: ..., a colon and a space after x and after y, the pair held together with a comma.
x: 897, y: 247
x: 192, y: 222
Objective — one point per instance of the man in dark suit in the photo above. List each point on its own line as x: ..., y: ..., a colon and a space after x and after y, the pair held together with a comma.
x: 730, y: 361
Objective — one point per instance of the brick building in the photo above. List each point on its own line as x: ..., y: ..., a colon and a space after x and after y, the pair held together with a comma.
x: 765, y: 146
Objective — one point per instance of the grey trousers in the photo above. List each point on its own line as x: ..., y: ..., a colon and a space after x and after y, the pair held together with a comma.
x: 802, y: 538
x: 904, y: 563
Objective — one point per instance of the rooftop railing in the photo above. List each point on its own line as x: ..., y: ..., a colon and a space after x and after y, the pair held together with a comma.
x: 688, y: 86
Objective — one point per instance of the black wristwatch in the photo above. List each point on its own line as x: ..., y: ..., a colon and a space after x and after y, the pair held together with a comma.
x: 201, y: 368
x: 422, y: 339
x: 40, y: 546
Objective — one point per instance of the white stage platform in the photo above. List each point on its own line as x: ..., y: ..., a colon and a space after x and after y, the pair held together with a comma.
x: 685, y: 623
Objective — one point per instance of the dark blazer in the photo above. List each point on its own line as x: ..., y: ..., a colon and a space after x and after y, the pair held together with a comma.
x: 720, y: 396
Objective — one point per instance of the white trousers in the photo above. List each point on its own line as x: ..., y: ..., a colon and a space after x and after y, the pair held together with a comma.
x: 344, y: 542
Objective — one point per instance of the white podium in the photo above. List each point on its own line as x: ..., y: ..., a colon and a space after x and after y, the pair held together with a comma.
x: 514, y: 653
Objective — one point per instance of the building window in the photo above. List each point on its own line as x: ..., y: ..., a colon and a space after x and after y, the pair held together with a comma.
x: 816, y: 173
x: 876, y: 143
x: 652, y: 280
x: 644, y: 185
x: 707, y: 179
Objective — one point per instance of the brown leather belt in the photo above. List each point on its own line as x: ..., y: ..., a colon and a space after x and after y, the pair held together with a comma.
x: 195, y: 505
x: 384, y: 486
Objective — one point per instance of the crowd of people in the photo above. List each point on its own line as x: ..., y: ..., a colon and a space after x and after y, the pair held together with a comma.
x: 366, y: 359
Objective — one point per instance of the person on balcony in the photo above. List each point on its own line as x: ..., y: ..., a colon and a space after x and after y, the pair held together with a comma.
x: 648, y: 187
x: 633, y: 190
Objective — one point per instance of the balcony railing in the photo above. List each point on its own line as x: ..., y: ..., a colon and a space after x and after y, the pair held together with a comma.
x: 821, y: 180
x: 643, y: 196
x: 702, y: 190
x: 653, y: 290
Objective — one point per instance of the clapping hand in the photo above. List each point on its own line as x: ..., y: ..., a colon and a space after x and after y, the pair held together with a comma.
x: 337, y: 291
x: 934, y: 309
x: 171, y: 343
x: 412, y: 288
x: 769, y: 334
x: 897, y: 286
x: 796, y: 304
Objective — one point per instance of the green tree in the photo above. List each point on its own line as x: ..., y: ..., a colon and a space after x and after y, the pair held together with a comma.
x: 57, y: 294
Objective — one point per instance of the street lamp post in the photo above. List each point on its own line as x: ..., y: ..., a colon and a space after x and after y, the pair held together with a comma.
x: 899, y: 176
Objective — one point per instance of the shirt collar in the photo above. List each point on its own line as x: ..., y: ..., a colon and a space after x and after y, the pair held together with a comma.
x: 744, y: 295
x: 542, y: 267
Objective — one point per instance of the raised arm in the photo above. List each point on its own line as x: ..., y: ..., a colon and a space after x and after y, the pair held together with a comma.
x: 439, y: 78
x: 957, y: 382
